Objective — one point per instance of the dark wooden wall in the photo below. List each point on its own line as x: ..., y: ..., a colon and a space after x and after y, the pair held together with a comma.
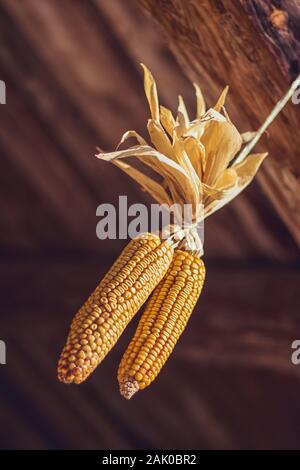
x: 73, y: 82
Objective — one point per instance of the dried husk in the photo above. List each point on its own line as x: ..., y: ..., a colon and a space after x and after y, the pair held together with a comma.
x: 195, y: 159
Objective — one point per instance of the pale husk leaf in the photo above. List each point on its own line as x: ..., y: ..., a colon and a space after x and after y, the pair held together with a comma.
x: 184, y: 161
x: 167, y: 120
x: 151, y: 93
x: 221, y: 141
x: 159, y: 138
x: 247, y: 169
x: 201, y: 106
x: 228, y: 179
x: 245, y: 173
x: 198, y: 126
x: 221, y: 101
x: 155, y: 189
x: 181, y: 127
x: 166, y: 167
x: 196, y: 152
x: 132, y: 134
x: 182, y: 109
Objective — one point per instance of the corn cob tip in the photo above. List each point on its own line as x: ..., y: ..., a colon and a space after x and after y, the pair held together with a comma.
x: 128, y: 387
x: 73, y: 376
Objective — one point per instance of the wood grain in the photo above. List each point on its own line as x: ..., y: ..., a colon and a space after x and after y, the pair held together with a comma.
x: 229, y: 381
x: 74, y: 82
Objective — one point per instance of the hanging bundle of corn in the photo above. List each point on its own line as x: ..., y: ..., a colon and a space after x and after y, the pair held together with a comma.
x: 201, y: 163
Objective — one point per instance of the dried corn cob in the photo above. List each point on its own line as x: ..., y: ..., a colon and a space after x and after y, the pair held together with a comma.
x: 101, y: 320
x: 162, y: 323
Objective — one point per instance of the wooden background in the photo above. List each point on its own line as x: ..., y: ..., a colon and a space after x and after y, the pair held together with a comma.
x: 73, y: 82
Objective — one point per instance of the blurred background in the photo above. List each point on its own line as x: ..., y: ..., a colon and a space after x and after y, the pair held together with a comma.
x: 73, y: 82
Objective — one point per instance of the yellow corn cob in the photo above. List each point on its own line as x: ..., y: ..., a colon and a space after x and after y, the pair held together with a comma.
x: 164, y: 319
x: 101, y: 320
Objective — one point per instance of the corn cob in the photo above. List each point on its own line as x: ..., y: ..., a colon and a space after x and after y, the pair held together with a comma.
x: 164, y: 319
x: 101, y: 320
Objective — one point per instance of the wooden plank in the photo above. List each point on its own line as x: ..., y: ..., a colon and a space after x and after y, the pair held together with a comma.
x: 230, y: 374
x: 67, y: 119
